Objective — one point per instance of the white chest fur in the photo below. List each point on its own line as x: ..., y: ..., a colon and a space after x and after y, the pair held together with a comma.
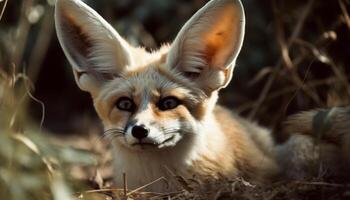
x: 142, y: 168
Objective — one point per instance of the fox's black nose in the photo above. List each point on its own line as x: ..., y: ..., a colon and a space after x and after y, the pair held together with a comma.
x: 139, y: 131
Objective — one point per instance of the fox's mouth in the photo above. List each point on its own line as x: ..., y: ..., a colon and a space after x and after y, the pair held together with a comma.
x: 154, y: 144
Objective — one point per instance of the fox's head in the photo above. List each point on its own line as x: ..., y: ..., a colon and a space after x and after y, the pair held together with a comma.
x: 152, y: 100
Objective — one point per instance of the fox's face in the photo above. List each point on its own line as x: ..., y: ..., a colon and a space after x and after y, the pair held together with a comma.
x: 149, y: 107
x: 152, y: 100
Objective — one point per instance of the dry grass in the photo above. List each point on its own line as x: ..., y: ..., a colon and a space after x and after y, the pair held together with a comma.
x: 31, y: 167
x: 296, y: 72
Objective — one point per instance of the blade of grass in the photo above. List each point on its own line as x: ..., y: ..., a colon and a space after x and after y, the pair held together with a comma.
x: 3, y: 9
x: 295, y: 34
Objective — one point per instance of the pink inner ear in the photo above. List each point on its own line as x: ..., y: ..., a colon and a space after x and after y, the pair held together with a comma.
x: 221, y: 38
x: 76, y: 36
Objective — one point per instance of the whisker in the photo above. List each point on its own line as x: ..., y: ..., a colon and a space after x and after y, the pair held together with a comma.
x: 184, y: 129
x: 112, y: 133
x: 171, y: 128
x: 114, y: 130
x: 172, y: 131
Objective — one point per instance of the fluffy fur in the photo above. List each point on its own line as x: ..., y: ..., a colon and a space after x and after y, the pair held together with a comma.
x: 193, y: 136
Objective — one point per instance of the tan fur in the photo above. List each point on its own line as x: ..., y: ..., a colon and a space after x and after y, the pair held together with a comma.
x: 317, y: 138
x: 195, y: 137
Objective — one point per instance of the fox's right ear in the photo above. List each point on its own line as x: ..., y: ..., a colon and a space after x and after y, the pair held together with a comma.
x: 95, y: 50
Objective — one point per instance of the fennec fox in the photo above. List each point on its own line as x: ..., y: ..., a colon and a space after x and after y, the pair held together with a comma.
x: 160, y: 106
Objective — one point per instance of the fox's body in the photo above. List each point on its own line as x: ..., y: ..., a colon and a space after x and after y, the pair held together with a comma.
x: 222, y: 149
x: 159, y: 108
x: 219, y: 143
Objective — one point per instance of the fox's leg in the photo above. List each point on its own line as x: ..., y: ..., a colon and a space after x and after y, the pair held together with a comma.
x: 319, y: 144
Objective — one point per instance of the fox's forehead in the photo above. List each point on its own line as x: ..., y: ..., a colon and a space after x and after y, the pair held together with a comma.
x: 151, y: 80
x: 141, y: 59
x: 149, y: 83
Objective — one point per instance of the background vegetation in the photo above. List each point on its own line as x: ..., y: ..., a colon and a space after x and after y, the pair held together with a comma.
x: 295, y: 57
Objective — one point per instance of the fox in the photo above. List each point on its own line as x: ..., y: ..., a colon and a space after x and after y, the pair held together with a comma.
x: 160, y: 107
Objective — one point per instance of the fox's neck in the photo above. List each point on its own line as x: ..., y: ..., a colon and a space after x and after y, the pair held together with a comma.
x: 142, y: 168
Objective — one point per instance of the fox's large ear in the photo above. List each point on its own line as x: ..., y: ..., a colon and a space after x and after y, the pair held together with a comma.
x: 95, y: 50
x: 207, y: 46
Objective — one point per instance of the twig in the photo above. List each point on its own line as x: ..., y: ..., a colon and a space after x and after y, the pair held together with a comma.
x: 41, y: 45
x: 140, y: 188
x: 273, y: 76
x: 322, y: 184
x: 322, y: 57
x: 3, y: 9
x: 301, y: 85
x: 102, y: 190
x: 300, y: 82
x: 43, y: 110
x: 286, y: 90
x: 115, y: 190
x: 125, y: 186
x: 345, y: 13
x: 23, y: 29
x: 27, y: 86
x: 34, y: 148
x: 281, y: 39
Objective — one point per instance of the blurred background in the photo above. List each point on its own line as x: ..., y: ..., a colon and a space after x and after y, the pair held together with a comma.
x: 295, y: 56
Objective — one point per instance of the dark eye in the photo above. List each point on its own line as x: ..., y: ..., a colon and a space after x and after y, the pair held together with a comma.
x: 125, y: 104
x: 168, y: 103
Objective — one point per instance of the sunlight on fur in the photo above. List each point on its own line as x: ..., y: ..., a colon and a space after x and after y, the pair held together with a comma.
x: 160, y: 110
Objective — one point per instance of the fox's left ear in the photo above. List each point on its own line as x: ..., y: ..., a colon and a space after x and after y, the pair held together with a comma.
x: 206, y: 48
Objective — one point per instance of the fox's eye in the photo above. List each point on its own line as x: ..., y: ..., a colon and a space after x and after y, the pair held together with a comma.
x: 125, y: 104
x: 168, y: 103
